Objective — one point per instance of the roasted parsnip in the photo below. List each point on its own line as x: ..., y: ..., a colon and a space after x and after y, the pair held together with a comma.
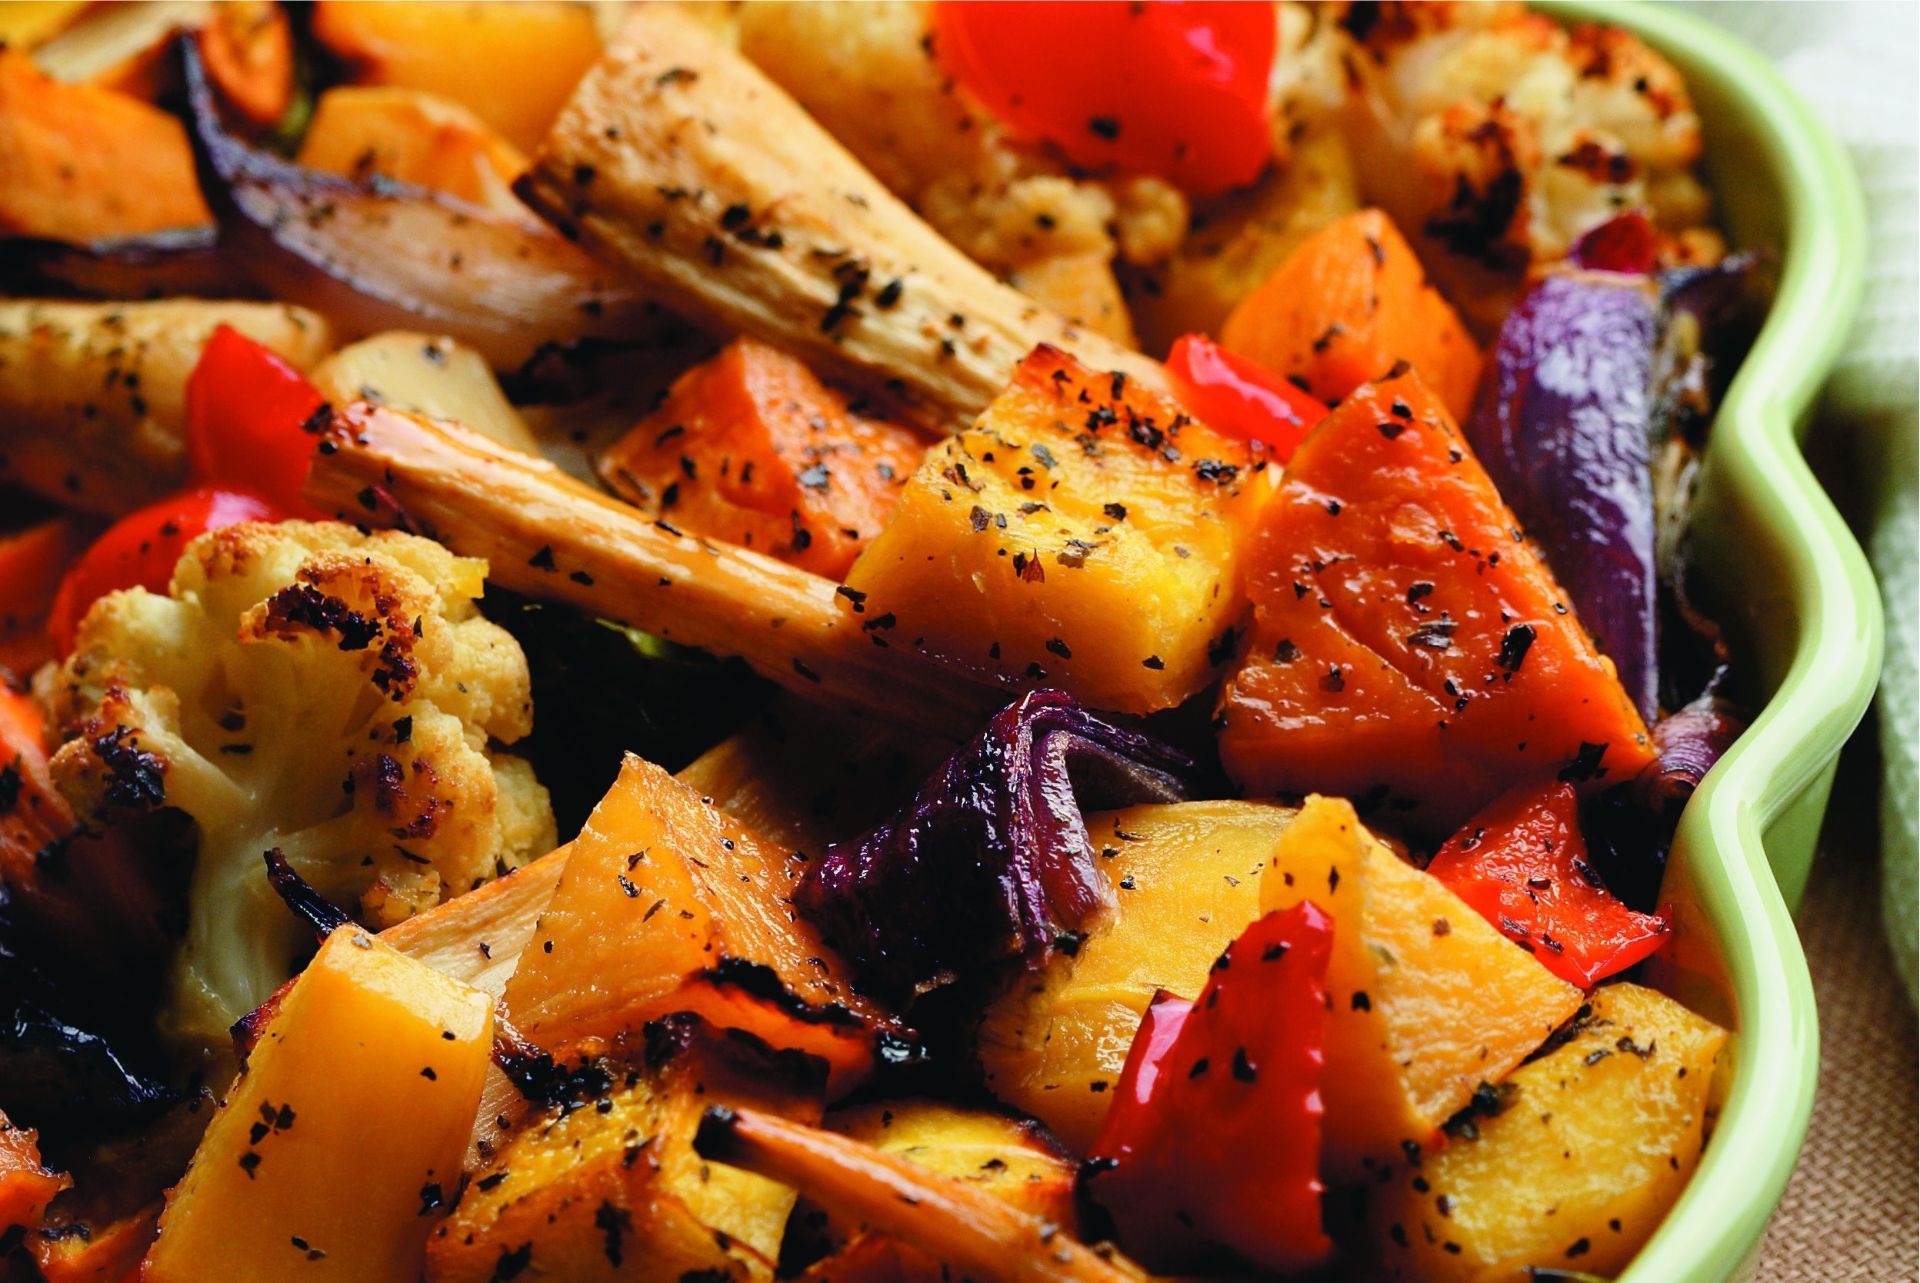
x: 681, y: 161
x: 551, y: 537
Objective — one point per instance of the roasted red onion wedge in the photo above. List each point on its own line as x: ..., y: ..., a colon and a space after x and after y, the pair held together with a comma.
x: 180, y: 261
x: 378, y: 255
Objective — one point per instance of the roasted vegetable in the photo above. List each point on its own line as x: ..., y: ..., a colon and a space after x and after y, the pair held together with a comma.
x: 990, y: 861
x: 556, y: 540
x: 1239, y: 398
x: 668, y: 905
x: 1522, y: 863
x: 286, y: 648
x: 249, y: 50
x: 336, y: 1174
x: 1348, y: 304
x: 94, y: 394
x: 33, y: 559
x: 416, y: 138
x: 1563, y: 428
x: 751, y: 448
x: 386, y: 256
x: 683, y: 163
x: 512, y: 65
x: 1569, y: 1164
x: 950, y: 1220
x: 85, y: 163
x: 182, y: 262
x: 1085, y: 533
x: 26, y: 1186
x: 1187, y: 881
x: 608, y: 1186
x: 1212, y: 1146
x: 1409, y: 647
x: 1427, y: 1000
x: 425, y: 374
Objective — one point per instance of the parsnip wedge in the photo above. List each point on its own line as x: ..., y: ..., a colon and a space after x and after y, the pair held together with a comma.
x: 551, y: 537
x: 681, y: 161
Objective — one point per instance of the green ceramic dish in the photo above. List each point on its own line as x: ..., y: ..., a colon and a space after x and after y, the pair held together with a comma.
x: 1781, y: 571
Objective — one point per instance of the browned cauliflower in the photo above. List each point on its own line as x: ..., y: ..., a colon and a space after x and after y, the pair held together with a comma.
x: 1498, y: 136
x: 310, y: 688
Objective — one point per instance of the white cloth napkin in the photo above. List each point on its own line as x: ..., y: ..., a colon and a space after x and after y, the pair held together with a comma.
x: 1855, y: 62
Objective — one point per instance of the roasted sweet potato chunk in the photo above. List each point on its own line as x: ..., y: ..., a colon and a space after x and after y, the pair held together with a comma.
x: 751, y: 448
x: 1568, y: 1165
x: 26, y: 1185
x: 1410, y: 649
x: 611, y: 1188
x: 1346, y: 305
x: 1084, y: 533
x: 669, y: 905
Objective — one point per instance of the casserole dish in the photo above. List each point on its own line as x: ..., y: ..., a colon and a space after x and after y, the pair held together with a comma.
x: 1776, y: 564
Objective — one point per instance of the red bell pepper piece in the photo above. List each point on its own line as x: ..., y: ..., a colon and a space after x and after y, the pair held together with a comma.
x: 250, y: 422
x: 1211, y: 1150
x: 1233, y: 395
x: 1522, y: 864
x: 141, y: 548
x: 1624, y: 243
x: 1174, y: 89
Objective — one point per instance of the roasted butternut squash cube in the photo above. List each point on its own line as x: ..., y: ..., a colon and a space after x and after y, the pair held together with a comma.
x: 1571, y: 1163
x: 667, y: 904
x: 1084, y: 533
x: 612, y: 1189
x: 1187, y: 879
x: 514, y: 65
x: 26, y: 1185
x: 751, y: 448
x: 1428, y: 1000
x: 344, y: 1132
x: 1349, y: 303
x: 1410, y: 649
x: 85, y: 163
x: 410, y: 136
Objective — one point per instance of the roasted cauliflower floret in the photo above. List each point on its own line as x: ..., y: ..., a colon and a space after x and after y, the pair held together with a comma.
x: 1498, y: 137
x: 307, y: 688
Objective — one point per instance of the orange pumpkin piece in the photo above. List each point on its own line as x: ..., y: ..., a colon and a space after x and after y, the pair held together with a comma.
x: 1347, y: 305
x: 105, y: 1253
x: 248, y: 46
x: 26, y: 1187
x: 514, y: 65
x: 1410, y: 648
x: 668, y: 905
x: 82, y: 163
x: 751, y: 448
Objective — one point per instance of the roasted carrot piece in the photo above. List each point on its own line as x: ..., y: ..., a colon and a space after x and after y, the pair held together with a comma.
x: 32, y: 561
x: 752, y: 448
x: 248, y: 47
x: 108, y: 1252
x: 26, y: 1187
x: 1410, y: 648
x: 84, y: 163
x: 1345, y: 306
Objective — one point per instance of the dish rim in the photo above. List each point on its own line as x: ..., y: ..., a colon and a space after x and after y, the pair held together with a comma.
x: 1714, y: 1231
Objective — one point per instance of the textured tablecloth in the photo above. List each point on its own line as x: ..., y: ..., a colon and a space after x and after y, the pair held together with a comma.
x: 1852, y: 1211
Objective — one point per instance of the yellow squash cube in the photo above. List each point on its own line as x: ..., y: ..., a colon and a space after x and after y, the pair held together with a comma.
x: 343, y: 1135
x: 1083, y: 533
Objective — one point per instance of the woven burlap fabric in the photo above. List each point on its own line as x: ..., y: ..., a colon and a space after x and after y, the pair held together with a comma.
x: 1852, y: 1211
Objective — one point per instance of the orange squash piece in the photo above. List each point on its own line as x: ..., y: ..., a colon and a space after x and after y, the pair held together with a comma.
x: 82, y: 163
x: 1345, y: 306
x: 26, y: 1187
x: 413, y: 137
x: 248, y: 47
x: 751, y: 448
x: 108, y: 1252
x: 514, y: 65
x: 668, y: 905
x: 1084, y: 533
x: 1410, y: 649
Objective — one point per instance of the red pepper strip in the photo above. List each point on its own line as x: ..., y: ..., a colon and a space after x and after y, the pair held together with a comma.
x: 1233, y: 395
x: 248, y: 415
x: 141, y: 549
x: 1211, y: 1151
x: 1624, y: 243
x: 32, y: 562
x: 1522, y: 864
x: 1174, y: 89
